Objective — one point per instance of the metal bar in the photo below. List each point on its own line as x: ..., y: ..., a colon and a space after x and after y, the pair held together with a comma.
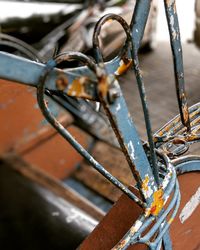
x: 138, y: 22
x: 62, y: 131
x: 130, y: 143
x: 24, y: 71
x: 173, y: 25
x: 117, y: 112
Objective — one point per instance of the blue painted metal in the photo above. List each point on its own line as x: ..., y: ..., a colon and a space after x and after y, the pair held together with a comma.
x: 156, y: 174
x: 62, y: 131
x: 172, y: 20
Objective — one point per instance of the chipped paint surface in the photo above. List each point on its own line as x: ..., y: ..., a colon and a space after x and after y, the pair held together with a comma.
x: 190, y: 206
x: 174, y: 33
x: 146, y: 187
x: 118, y: 107
x: 168, y: 177
x: 158, y: 203
x: 132, y: 150
x: 103, y: 86
x: 136, y: 227
x: 77, y: 88
x: 124, y: 127
x: 124, y: 65
x: 61, y: 82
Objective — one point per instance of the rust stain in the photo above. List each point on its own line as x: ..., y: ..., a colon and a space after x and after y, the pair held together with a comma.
x: 121, y: 245
x: 145, y: 183
x: 77, y: 88
x: 125, y: 64
x: 103, y: 86
x: 61, y: 82
x: 185, y: 113
x: 158, y: 202
x: 170, y: 220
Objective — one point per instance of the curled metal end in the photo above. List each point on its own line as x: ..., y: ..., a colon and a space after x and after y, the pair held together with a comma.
x: 123, y: 54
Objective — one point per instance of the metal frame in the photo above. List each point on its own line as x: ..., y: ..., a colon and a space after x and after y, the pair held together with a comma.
x: 153, y: 170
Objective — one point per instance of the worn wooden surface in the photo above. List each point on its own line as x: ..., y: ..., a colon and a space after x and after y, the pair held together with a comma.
x: 37, y: 212
x: 114, y: 161
x: 25, y: 131
x: 42, y: 178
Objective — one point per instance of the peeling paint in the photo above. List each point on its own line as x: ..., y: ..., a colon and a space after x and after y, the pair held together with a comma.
x: 61, y: 82
x: 136, y: 227
x: 103, y: 86
x: 77, y: 88
x: 131, y: 149
x: 124, y: 66
x: 190, y: 206
x: 146, y: 188
x: 158, y: 203
x: 118, y: 107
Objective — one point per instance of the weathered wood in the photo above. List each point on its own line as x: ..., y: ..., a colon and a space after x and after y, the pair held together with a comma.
x: 25, y: 131
x: 114, y: 161
x: 33, y: 174
x: 22, y: 122
x: 55, y: 155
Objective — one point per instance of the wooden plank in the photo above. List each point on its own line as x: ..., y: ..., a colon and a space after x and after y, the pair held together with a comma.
x: 113, y: 160
x: 24, y: 130
x: 55, y: 155
x: 50, y: 183
x: 22, y: 123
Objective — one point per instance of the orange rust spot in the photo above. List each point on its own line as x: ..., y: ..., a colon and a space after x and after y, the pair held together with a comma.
x: 124, y: 66
x: 170, y: 220
x: 103, y: 86
x: 77, y: 88
x: 158, y: 202
x: 109, y: 20
x: 61, y: 82
x: 185, y: 112
x: 121, y: 244
x: 145, y: 183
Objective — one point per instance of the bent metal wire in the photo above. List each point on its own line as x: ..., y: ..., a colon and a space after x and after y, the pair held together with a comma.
x: 154, y: 172
x: 20, y: 46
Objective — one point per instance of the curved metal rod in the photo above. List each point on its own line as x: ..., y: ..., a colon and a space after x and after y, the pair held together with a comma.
x: 97, y: 31
x: 134, y: 235
x: 64, y: 133
x: 21, y: 46
x: 128, y: 48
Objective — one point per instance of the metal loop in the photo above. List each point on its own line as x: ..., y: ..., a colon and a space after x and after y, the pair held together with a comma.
x: 64, y: 133
x: 75, y: 56
x: 136, y: 232
x: 176, y: 147
x: 97, y: 30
